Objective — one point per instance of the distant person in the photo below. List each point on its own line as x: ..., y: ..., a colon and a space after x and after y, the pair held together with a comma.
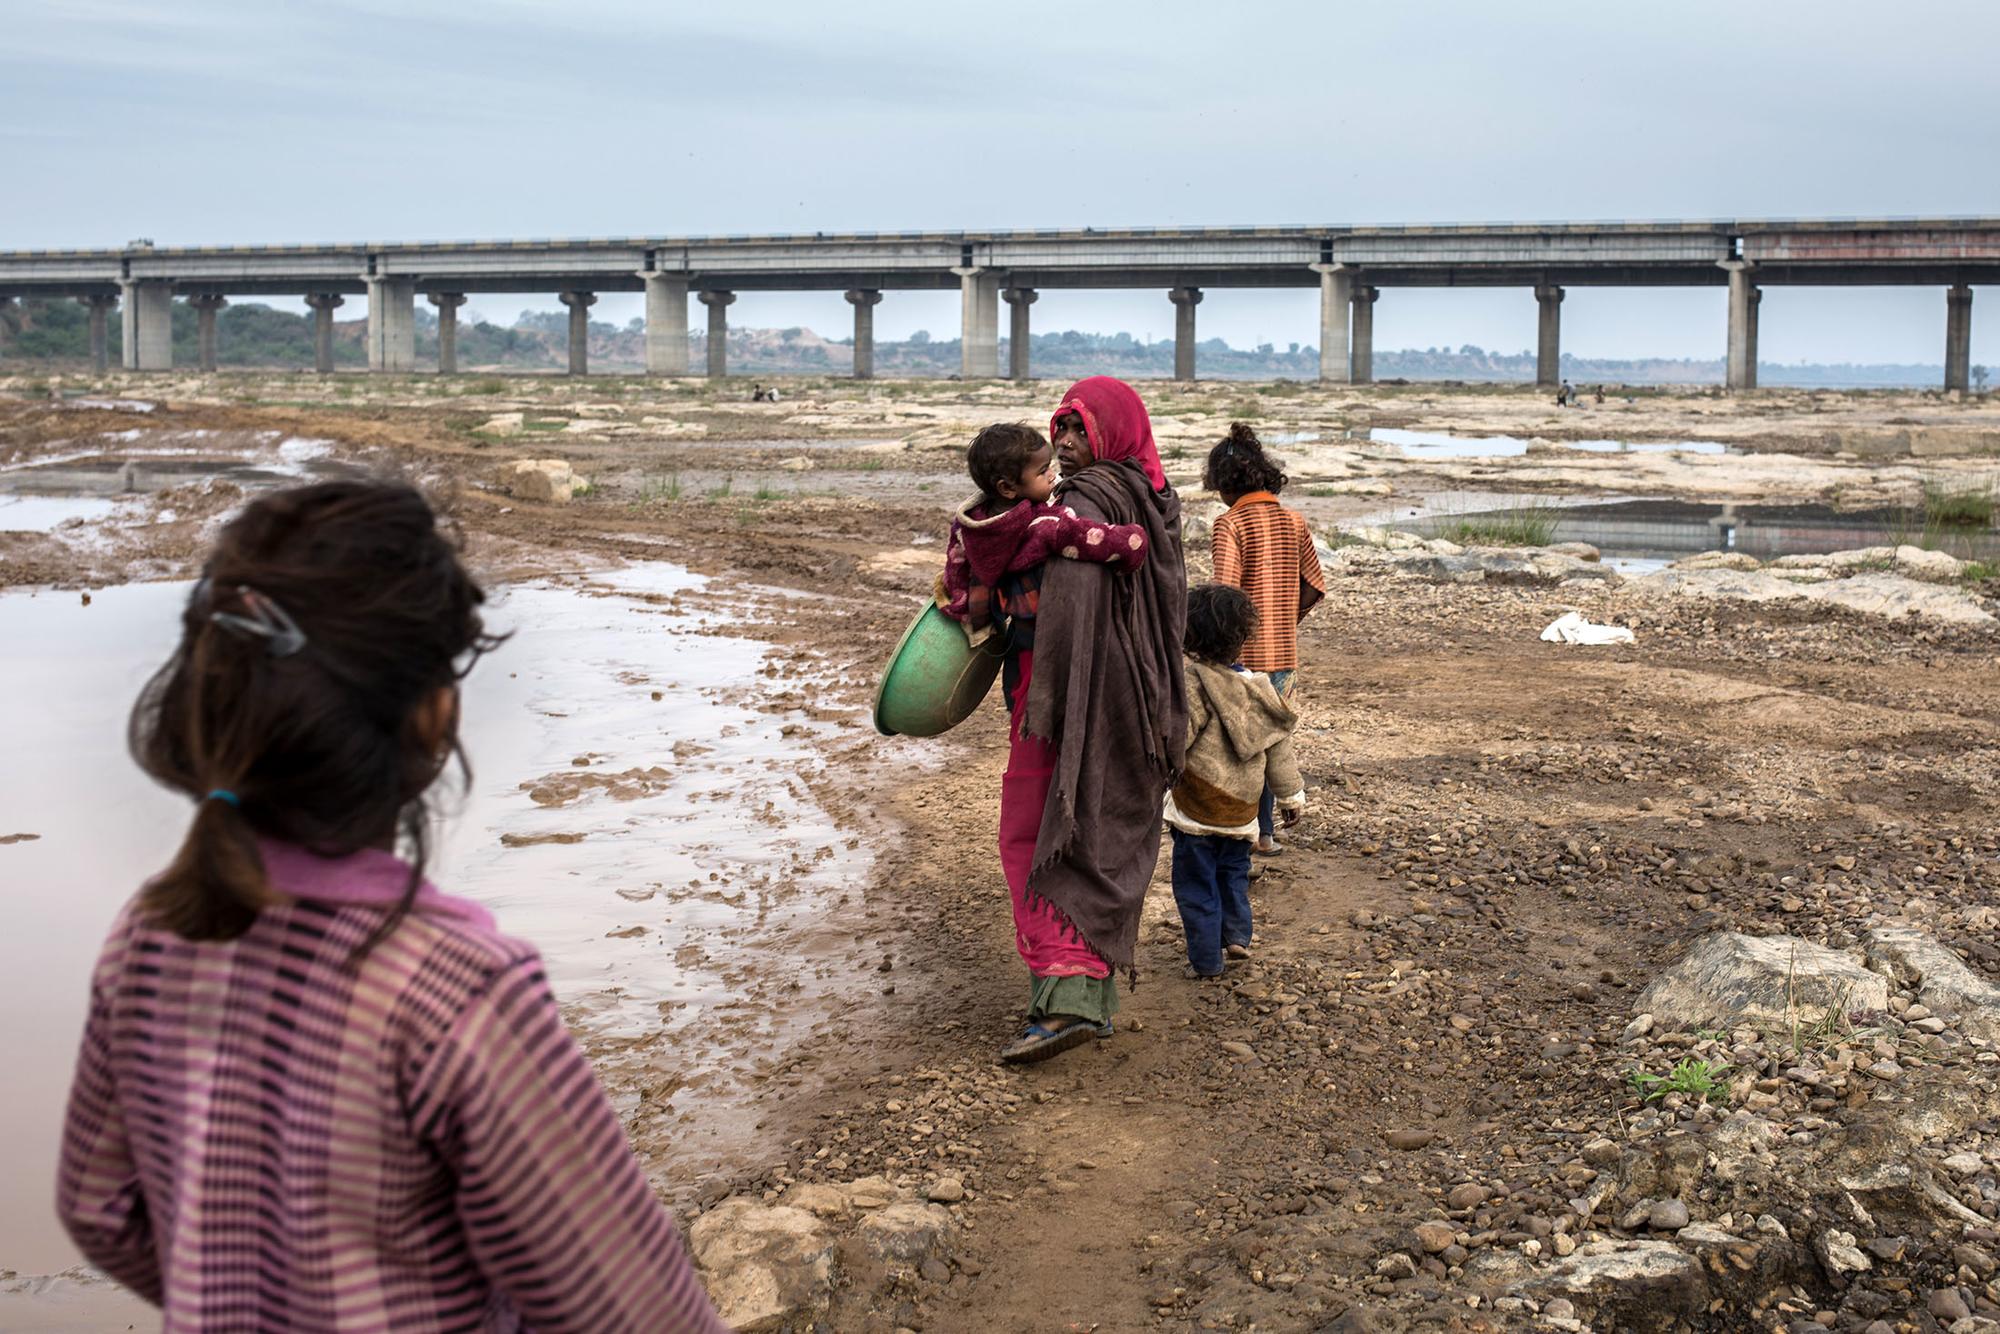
x: 771, y: 394
x: 1266, y: 550
x: 1239, y: 751
x: 1566, y: 396
x: 1600, y: 393
x: 756, y: 393
x: 315, y: 1092
x: 1001, y: 537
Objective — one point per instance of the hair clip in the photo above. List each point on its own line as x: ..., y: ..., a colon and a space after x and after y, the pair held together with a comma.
x: 266, y: 621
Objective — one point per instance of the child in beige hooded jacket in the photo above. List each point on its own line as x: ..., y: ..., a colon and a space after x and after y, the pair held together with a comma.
x: 1239, y: 742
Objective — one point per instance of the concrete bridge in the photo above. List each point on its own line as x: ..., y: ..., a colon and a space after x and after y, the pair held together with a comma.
x: 1351, y: 266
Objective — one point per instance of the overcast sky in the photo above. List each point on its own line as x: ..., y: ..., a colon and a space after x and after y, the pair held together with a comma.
x: 213, y: 121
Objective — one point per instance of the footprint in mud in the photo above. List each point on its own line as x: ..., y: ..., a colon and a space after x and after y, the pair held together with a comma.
x: 530, y: 840
x: 560, y: 789
x: 18, y: 838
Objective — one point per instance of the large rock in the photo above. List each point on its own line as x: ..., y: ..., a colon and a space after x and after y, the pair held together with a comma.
x: 1733, y: 980
x: 1875, y: 593
x: 1943, y: 983
x: 911, y: 1233
x: 1626, y: 1285
x: 544, y: 480
x: 764, y: 1265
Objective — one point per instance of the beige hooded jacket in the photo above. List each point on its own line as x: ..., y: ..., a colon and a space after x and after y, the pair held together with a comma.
x: 1239, y: 743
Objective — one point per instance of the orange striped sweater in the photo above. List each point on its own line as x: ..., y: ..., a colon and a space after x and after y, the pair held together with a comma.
x: 1267, y: 551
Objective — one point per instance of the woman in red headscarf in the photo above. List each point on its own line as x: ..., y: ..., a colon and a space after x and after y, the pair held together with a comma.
x: 1099, y: 728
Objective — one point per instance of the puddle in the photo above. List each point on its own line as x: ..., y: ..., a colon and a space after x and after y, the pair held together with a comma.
x: 43, y: 514
x: 110, y: 465
x: 1661, y: 531
x: 656, y: 879
x: 1443, y: 445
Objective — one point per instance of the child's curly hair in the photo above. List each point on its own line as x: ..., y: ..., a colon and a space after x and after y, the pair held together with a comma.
x: 1220, y: 621
x: 1238, y: 465
x: 1000, y: 453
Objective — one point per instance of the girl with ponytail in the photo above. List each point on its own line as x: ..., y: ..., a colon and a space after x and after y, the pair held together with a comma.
x: 315, y: 1092
x: 1267, y: 551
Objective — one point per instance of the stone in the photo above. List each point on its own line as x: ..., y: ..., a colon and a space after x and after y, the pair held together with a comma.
x: 765, y: 1266
x: 1600, y: 1152
x: 911, y: 1233
x: 1946, y: 1304
x: 797, y: 463
x: 819, y: 1200
x: 946, y: 1190
x: 1964, y: 1164
x: 1874, y: 593
x: 1667, y: 1216
x: 1625, y: 1285
x: 1640, y: 1026
x: 1732, y: 979
x: 1396, y: 1266
x: 548, y: 481
x: 1838, y: 1254
x: 1936, y: 566
x: 1409, y: 1138
x: 1434, y: 1236
x: 871, y: 1193
x: 1468, y: 1196
x: 1943, y: 983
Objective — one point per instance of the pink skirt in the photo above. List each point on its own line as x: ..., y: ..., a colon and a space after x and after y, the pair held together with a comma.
x: 1048, y: 944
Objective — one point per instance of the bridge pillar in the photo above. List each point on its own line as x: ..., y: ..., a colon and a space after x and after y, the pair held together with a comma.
x: 864, y: 300
x: 1958, y: 337
x: 979, y: 324
x: 205, y: 307
x: 323, y: 304
x: 447, y: 304
x: 1336, y: 299
x: 1185, y: 299
x: 1742, y: 363
x: 1018, y: 345
x: 1548, y: 340
x: 718, y: 304
x: 148, y: 324
x: 1364, y: 334
x: 392, y: 325
x: 666, y: 323
x: 99, y: 305
x: 579, y: 304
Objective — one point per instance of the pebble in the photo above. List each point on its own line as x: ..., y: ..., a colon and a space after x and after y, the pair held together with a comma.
x: 1885, y: 1070
x: 1468, y: 1196
x: 946, y: 1190
x: 1600, y: 1153
x: 1946, y: 1304
x: 1638, y: 1028
x: 1410, y: 1138
x: 1240, y: 1049
x: 1434, y: 1236
x: 1396, y: 1266
x: 1667, y: 1216
x: 1964, y: 1164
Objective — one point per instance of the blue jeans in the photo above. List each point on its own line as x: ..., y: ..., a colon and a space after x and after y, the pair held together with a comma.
x: 1267, y: 805
x: 1212, y: 890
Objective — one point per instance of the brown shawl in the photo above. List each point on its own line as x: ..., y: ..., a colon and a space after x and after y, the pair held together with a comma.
x: 1107, y: 690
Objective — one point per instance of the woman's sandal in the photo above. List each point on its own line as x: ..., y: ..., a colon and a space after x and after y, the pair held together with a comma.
x: 1236, y: 951
x: 1038, y: 1042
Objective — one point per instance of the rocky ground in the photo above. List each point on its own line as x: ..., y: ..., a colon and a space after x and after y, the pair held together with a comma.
x: 1465, y: 1082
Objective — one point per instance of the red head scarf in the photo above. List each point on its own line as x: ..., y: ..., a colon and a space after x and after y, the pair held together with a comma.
x: 1115, y: 422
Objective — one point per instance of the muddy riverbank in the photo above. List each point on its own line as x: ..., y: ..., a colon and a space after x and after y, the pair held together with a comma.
x: 1507, y: 840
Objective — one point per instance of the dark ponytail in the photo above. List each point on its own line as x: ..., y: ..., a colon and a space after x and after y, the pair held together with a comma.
x: 326, y: 619
x: 1239, y: 465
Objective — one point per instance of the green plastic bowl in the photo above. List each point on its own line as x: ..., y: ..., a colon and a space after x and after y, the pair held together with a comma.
x: 935, y: 678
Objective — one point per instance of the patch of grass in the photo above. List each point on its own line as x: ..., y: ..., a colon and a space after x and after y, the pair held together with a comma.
x: 1693, y: 1078
x: 1321, y: 492
x: 1958, y: 502
x: 1528, y: 526
x: 1338, y: 537
x: 1979, y: 571
x: 583, y: 490
x: 485, y: 388
x: 661, y: 488
x: 723, y: 492
x: 546, y: 424
x: 765, y: 492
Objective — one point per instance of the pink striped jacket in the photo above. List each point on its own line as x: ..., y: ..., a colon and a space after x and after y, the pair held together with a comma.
x: 261, y: 1136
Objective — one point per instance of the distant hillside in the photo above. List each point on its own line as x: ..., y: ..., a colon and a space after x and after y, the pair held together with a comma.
x: 56, y: 333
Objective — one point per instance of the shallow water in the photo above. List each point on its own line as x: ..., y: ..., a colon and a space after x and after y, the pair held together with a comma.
x: 1443, y: 445
x: 694, y: 832
x: 41, y: 514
